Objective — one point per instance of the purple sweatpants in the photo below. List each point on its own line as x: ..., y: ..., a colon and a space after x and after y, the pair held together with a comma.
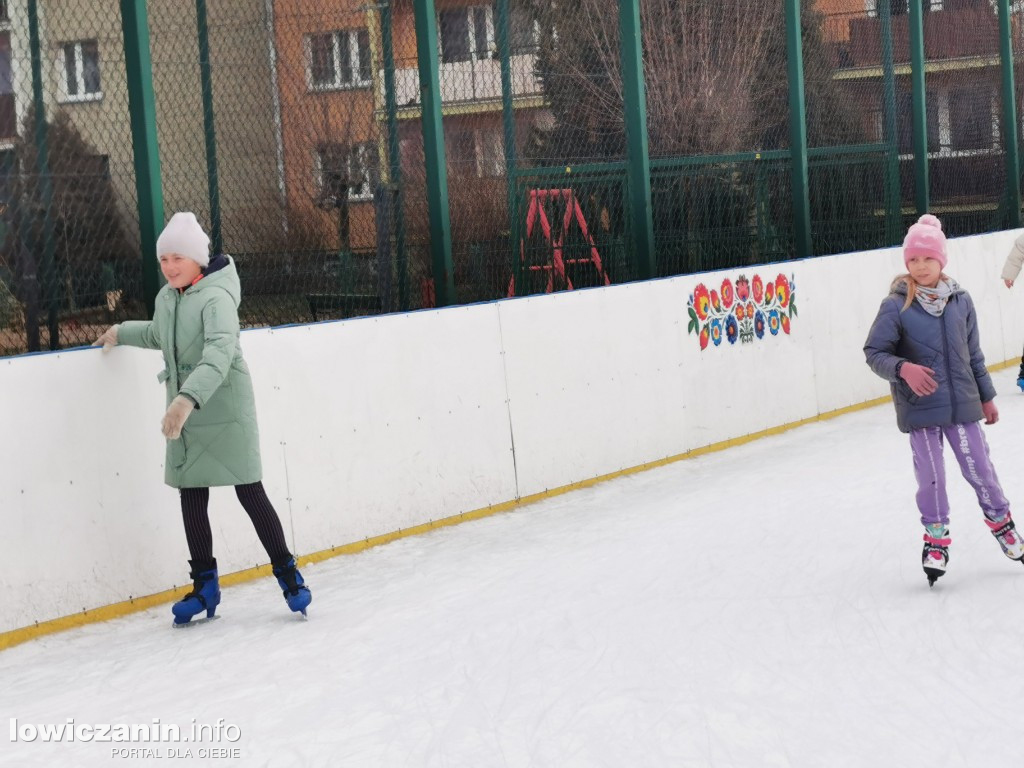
x: 971, y: 453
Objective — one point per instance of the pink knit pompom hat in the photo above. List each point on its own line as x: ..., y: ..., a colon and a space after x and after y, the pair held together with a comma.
x: 925, y: 238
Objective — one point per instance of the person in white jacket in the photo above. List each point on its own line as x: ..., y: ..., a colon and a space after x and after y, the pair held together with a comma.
x: 1011, y: 269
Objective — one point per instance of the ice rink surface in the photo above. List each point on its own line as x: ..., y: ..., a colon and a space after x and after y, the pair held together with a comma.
x: 760, y: 606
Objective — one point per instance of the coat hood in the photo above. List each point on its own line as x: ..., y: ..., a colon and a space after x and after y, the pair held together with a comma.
x: 220, y: 274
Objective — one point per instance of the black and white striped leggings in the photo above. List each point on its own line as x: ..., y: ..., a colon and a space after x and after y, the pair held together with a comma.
x: 195, y: 514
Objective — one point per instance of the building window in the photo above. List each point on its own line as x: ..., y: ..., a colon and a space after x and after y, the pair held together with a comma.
x: 490, y: 153
x: 339, y: 59
x: 470, y: 33
x: 343, y: 170
x: 961, y: 121
x: 524, y: 31
x: 81, y: 64
x: 8, y: 111
x: 460, y: 151
x: 479, y: 152
x: 905, y: 121
x: 972, y: 118
x: 467, y: 33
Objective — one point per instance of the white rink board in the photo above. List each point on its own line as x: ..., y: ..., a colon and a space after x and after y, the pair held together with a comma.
x: 385, y: 423
x: 742, y: 388
x: 842, y: 298
x: 595, y: 381
x: 374, y: 425
x: 88, y: 520
x: 366, y: 427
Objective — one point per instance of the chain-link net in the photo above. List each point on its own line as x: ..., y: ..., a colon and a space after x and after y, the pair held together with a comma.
x: 853, y: 163
x: 1017, y: 51
x: 964, y: 115
x: 68, y: 265
x: 285, y: 162
x: 571, y: 225
x: 293, y: 129
x: 966, y: 157
x: 718, y: 126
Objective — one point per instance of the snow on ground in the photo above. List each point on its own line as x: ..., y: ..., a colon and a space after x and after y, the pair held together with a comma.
x: 761, y: 606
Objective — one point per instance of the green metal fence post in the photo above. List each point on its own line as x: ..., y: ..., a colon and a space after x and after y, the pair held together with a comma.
x: 798, y: 131
x: 920, y: 109
x: 433, y: 147
x: 142, y: 110
x: 210, y: 134
x: 509, y: 128
x: 893, y: 193
x: 49, y: 263
x: 639, y: 159
x: 394, y: 152
x: 1010, y: 132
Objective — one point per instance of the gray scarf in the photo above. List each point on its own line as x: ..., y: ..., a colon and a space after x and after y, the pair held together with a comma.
x: 934, y: 299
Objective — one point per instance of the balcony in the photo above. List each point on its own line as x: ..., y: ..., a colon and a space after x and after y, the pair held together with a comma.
x: 475, y: 81
x: 949, y: 34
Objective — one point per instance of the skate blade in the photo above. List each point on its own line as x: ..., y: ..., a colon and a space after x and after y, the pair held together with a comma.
x: 194, y: 622
x: 933, y: 575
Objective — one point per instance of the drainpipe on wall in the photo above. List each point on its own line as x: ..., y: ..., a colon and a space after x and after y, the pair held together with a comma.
x: 275, y: 93
x: 48, y: 268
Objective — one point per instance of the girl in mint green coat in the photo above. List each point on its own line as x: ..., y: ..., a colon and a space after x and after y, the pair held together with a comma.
x: 210, y: 423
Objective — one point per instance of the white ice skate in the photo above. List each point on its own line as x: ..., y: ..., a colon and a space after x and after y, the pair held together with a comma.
x: 1006, y: 534
x: 936, y: 551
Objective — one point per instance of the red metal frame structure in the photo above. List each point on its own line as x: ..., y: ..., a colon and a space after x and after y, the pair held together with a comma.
x: 556, y: 266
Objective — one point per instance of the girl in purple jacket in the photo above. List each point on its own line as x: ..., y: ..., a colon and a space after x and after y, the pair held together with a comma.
x: 924, y: 341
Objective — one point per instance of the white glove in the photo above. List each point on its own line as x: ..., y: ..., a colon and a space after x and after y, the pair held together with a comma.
x: 108, y: 338
x: 178, y: 411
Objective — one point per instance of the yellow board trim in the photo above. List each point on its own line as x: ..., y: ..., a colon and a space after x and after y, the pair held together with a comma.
x: 117, y: 610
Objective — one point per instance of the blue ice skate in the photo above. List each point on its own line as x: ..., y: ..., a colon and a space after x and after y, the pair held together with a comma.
x: 205, y: 595
x: 294, y: 588
x: 1020, y: 382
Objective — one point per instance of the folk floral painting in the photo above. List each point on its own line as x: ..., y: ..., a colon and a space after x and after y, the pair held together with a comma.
x: 742, y: 310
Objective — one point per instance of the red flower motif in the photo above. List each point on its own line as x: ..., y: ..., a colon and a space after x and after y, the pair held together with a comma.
x: 715, y: 302
x: 701, y: 301
x: 782, y: 291
x: 704, y: 335
x: 769, y: 293
x: 785, y: 323
x: 758, y: 289
x: 741, y: 311
x: 742, y: 288
x: 727, y: 296
x: 750, y: 311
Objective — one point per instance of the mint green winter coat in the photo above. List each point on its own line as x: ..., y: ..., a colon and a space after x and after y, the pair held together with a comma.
x: 197, y: 331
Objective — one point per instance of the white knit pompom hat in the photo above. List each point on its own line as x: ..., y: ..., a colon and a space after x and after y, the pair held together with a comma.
x: 183, y: 234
